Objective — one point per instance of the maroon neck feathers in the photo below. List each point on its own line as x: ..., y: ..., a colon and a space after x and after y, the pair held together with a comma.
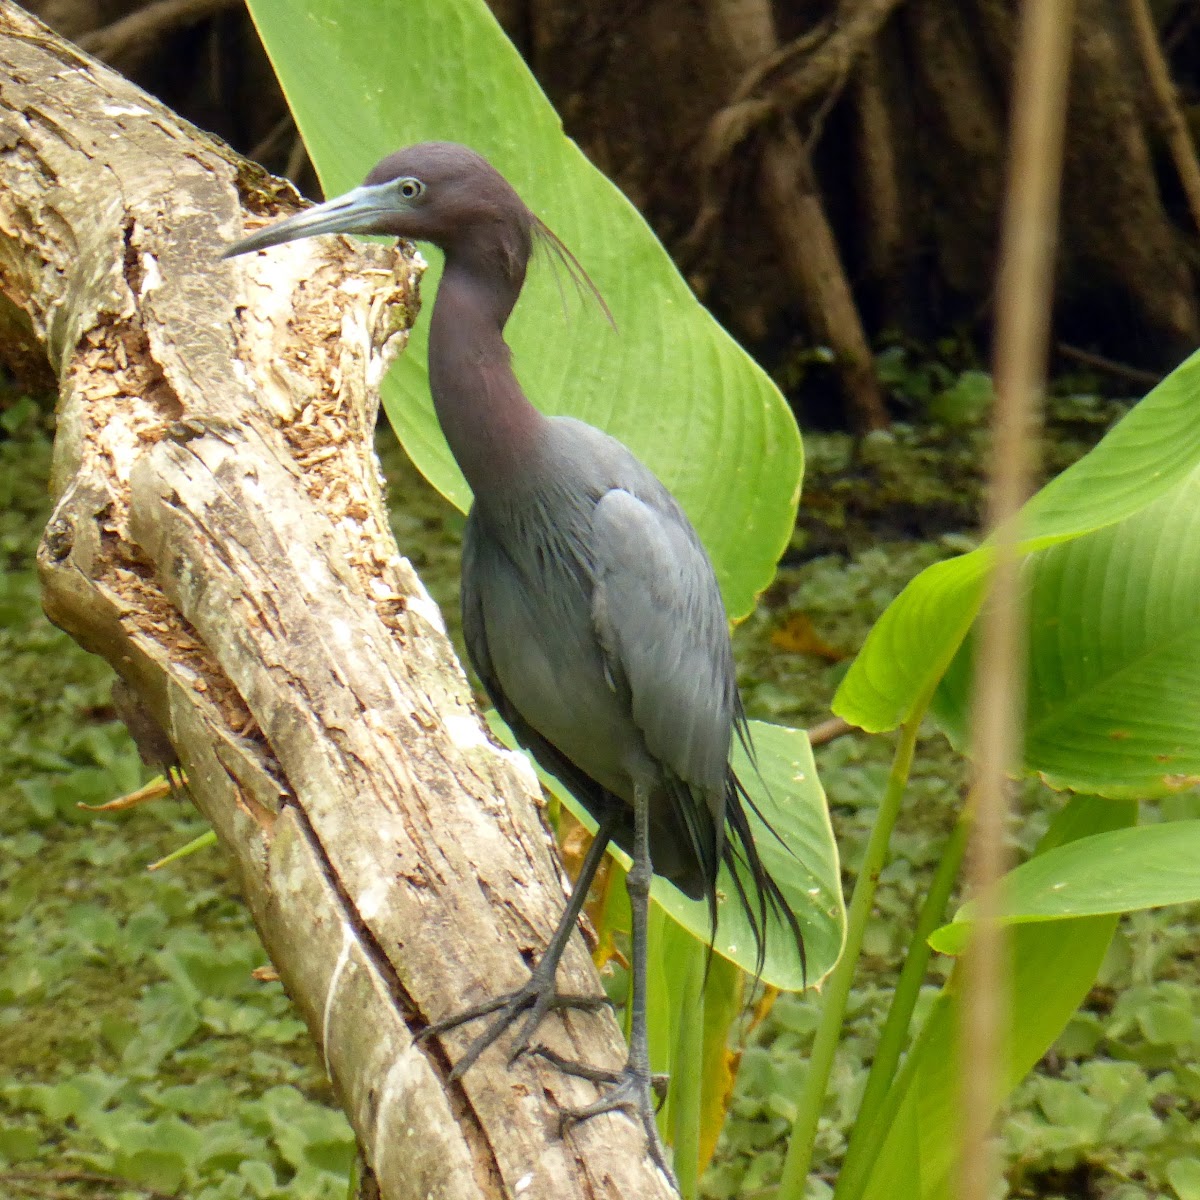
x: 488, y: 421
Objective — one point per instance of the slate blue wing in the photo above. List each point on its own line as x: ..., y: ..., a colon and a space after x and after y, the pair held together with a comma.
x: 662, y: 626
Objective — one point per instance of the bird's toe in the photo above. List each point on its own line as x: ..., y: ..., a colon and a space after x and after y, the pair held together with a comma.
x: 537, y: 998
x: 632, y: 1090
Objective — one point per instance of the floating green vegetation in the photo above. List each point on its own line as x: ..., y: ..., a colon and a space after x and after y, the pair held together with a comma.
x: 139, y: 1046
x: 136, y: 1042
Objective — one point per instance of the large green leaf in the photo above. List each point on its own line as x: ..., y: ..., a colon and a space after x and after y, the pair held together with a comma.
x: 803, y: 859
x: 1120, y: 871
x: 1053, y: 968
x: 1114, y: 630
x: 1153, y: 450
x: 365, y: 78
x: 724, y: 1003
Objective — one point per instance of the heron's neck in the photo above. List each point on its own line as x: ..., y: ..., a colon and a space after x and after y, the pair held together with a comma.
x: 489, y: 423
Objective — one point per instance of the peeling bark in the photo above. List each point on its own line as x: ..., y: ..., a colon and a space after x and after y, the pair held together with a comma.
x: 220, y: 538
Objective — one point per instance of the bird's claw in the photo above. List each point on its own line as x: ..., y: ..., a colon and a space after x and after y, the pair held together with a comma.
x: 631, y: 1091
x: 580, y: 1070
x: 569, y: 1066
x: 537, y: 996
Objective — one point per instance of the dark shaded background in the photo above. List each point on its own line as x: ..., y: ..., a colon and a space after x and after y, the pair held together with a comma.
x: 881, y: 123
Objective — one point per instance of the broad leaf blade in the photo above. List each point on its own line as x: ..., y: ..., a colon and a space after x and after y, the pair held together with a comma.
x: 670, y: 383
x: 1121, y: 871
x: 1147, y: 454
x: 913, y: 644
x: 1114, y: 640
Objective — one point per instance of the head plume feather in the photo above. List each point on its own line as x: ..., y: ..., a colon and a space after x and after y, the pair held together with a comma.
x: 559, y: 253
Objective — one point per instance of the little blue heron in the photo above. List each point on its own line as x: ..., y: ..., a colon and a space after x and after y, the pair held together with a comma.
x: 590, y: 609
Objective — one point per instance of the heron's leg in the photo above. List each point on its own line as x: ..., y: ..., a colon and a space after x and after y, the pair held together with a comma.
x: 539, y: 994
x: 634, y: 1084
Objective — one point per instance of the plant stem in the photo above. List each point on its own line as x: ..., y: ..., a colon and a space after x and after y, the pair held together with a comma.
x: 876, y: 1134
x: 867, y: 1135
x: 1024, y: 296
x: 804, y: 1129
x: 208, y: 838
x: 686, y: 1074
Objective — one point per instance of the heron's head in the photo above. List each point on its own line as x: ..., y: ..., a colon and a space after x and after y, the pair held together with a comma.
x: 443, y: 193
x: 437, y: 192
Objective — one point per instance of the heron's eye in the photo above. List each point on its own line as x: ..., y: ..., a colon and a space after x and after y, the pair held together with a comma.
x: 410, y: 189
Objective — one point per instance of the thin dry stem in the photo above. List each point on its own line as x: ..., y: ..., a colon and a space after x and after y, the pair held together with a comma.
x: 828, y: 731
x: 1022, y: 340
x: 1089, y: 358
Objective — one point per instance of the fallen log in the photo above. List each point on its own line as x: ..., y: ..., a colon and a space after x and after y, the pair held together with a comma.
x: 219, y: 536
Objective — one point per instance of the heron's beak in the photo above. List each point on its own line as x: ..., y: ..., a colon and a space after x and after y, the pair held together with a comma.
x: 358, y: 211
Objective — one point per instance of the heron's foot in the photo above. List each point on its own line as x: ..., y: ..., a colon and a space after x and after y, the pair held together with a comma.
x: 632, y: 1089
x: 532, y: 1002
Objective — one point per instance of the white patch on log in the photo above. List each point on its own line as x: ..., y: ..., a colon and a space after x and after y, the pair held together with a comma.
x: 343, y: 631
x: 370, y: 903
x: 151, y: 275
x: 423, y: 605
x: 334, y: 980
x: 523, y: 767
x: 465, y: 731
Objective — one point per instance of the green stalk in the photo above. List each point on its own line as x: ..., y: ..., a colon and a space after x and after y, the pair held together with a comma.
x: 816, y: 1082
x: 857, y: 1164
x: 357, y: 1171
x: 687, y: 1074
x: 876, y: 1134
x: 205, y: 839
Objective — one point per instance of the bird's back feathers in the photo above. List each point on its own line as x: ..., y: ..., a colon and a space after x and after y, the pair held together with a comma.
x: 594, y: 620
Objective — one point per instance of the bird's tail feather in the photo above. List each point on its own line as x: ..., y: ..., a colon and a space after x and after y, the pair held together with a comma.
x: 732, y: 843
x: 758, y: 893
x: 743, y: 850
x: 764, y: 895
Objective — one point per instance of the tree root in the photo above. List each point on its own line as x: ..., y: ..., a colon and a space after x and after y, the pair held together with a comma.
x: 792, y: 202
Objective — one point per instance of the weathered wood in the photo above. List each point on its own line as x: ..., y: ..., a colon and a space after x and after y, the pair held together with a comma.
x: 220, y: 537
